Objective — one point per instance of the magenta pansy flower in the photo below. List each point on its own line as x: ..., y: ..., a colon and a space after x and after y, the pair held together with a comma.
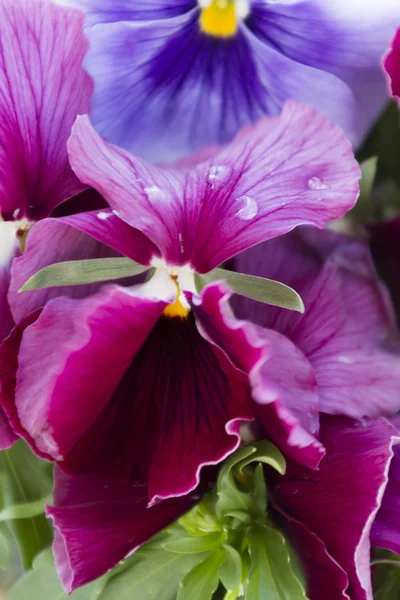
x: 148, y: 377
x: 326, y: 514
x: 392, y: 65
x: 173, y: 75
x: 353, y: 355
x: 43, y: 89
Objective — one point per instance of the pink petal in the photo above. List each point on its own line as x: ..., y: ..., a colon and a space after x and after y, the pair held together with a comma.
x: 70, y: 367
x: 289, y: 418
x: 392, y: 65
x: 386, y: 528
x: 285, y: 171
x: 44, y: 88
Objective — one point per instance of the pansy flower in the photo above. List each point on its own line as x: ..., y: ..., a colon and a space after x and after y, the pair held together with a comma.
x: 173, y: 75
x: 325, y: 514
x: 146, y: 378
x: 43, y: 89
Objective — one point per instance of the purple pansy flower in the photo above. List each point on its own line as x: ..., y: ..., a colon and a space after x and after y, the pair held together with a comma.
x: 43, y: 89
x: 326, y: 514
x: 347, y: 336
x: 145, y: 378
x: 171, y: 76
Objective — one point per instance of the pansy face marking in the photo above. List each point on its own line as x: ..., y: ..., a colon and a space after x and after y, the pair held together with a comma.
x: 220, y: 18
x: 175, y: 281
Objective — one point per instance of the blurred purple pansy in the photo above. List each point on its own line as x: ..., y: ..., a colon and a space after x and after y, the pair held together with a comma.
x: 155, y: 375
x: 173, y: 75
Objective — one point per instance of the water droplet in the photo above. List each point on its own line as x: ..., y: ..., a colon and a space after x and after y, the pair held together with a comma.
x: 345, y: 359
x: 316, y: 183
x: 103, y: 216
x: 248, y: 208
x: 217, y: 174
x: 116, y: 213
x: 16, y: 213
x: 154, y: 193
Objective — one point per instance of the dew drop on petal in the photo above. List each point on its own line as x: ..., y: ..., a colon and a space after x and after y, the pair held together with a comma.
x: 216, y: 174
x: 316, y: 183
x: 248, y: 208
x: 103, y: 216
x: 154, y: 193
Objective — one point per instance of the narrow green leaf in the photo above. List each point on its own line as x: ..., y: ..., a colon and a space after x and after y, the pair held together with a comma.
x: 151, y: 573
x: 26, y: 485
x: 202, y: 581
x: 257, y: 288
x: 5, y: 553
x: 194, y: 544
x: 368, y: 170
x: 230, y: 572
x: 386, y: 569
x: 79, y: 272
x: 271, y: 575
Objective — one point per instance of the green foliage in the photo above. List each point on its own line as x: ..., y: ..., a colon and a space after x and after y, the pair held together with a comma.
x: 42, y: 583
x: 225, y: 547
x: 26, y: 485
x: 257, y: 288
x: 78, y: 272
x: 386, y: 570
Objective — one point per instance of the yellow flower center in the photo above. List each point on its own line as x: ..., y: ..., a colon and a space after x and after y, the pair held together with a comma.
x: 176, y: 309
x: 219, y: 18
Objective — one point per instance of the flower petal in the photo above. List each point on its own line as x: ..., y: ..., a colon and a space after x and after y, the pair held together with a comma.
x: 44, y: 88
x: 63, y: 387
x: 339, y: 501
x: 392, y: 65
x: 386, y: 528
x: 288, y: 419
x: 180, y: 401
x: 346, y: 39
x: 326, y: 580
x: 347, y: 332
x: 9, y: 249
x: 97, y: 526
x: 297, y: 168
x: 109, y: 11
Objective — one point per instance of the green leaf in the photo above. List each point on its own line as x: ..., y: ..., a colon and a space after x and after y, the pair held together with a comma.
x: 271, y: 575
x: 231, y: 499
x: 202, y: 581
x: 78, y: 272
x: 368, y: 170
x: 257, y: 288
x: 151, y: 573
x: 42, y: 583
x: 386, y: 569
x: 194, y: 544
x: 25, y: 487
x: 230, y: 572
x: 5, y: 553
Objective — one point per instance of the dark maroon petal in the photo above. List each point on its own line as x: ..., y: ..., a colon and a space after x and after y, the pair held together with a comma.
x: 289, y: 416
x: 326, y: 580
x: 97, y: 526
x: 386, y: 528
x: 179, y: 403
x: 72, y: 359
x: 339, y: 501
x: 44, y: 88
